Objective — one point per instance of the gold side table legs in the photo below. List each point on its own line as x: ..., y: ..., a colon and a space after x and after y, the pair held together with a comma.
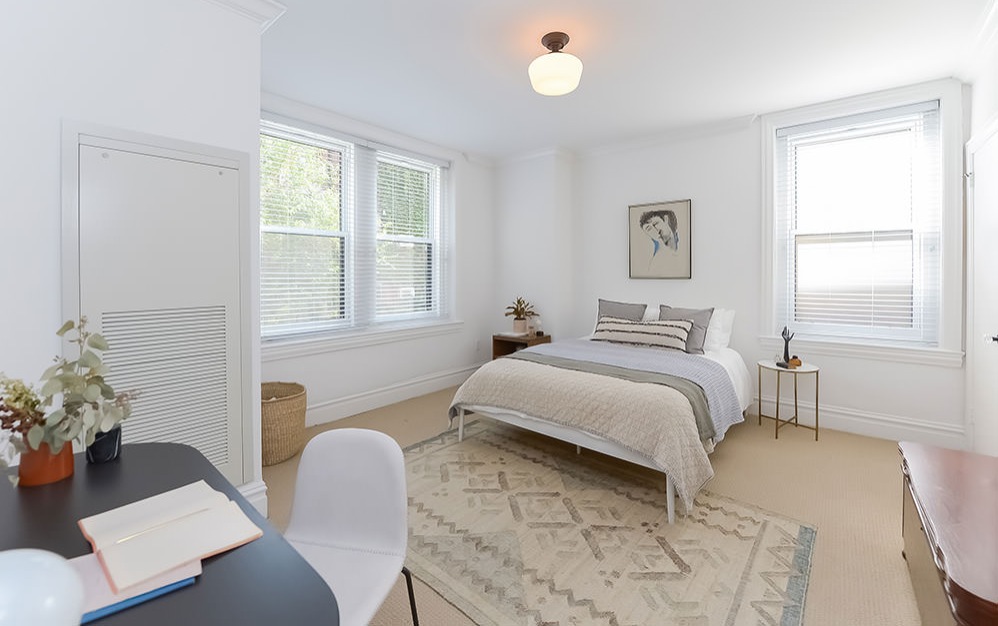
x: 778, y: 422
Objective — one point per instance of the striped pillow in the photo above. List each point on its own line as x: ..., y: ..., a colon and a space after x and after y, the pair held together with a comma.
x: 670, y: 334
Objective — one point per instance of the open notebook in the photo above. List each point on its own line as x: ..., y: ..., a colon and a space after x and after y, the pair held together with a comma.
x: 144, y: 539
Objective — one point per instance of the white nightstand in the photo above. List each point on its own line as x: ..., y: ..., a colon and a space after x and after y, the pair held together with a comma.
x: 803, y: 369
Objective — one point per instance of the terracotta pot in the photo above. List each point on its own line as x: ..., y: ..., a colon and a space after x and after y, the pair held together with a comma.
x: 41, y: 467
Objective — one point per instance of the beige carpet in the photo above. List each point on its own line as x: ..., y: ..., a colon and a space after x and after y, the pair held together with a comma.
x: 847, y: 486
x: 515, y: 528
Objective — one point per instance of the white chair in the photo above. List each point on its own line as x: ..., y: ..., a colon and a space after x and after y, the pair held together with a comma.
x: 348, y: 518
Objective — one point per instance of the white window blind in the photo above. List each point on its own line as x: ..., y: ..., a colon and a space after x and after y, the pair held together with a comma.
x: 351, y: 235
x: 858, y: 204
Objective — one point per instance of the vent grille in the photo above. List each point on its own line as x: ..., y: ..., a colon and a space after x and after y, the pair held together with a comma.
x: 176, y: 359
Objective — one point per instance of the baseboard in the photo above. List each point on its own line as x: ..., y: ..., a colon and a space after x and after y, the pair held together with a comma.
x: 332, y: 410
x: 879, y: 425
x: 256, y: 493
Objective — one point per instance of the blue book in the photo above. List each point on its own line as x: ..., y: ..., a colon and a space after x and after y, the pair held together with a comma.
x: 139, y: 599
x: 100, y: 600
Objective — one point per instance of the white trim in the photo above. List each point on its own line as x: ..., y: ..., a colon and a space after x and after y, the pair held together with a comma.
x: 256, y: 492
x: 868, y: 424
x: 264, y: 12
x: 976, y: 49
x: 285, y: 110
x: 332, y: 410
x: 279, y: 349
x: 949, y: 92
x: 891, y: 354
x: 557, y: 153
x: 685, y: 133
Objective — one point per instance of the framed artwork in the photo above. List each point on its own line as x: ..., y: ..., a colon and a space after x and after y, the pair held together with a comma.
x: 660, y: 239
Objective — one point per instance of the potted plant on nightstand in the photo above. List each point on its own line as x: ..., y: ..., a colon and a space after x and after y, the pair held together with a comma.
x: 88, y: 408
x: 521, y: 310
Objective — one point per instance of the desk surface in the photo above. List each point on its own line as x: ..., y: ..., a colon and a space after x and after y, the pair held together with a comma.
x: 263, y: 582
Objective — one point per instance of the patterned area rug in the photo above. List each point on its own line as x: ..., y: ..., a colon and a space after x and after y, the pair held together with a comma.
x: 515, y: 529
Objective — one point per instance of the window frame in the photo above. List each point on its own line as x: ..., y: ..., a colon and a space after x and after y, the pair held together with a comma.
x: 345, y: 234
x: 361, y: 325
x: 948, y: 348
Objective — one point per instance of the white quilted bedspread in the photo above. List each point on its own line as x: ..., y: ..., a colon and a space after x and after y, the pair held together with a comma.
x: 653, y: 420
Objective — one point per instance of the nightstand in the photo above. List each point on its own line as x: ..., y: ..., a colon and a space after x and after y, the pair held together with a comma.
x: 503, y: 344
x: 804, y: 369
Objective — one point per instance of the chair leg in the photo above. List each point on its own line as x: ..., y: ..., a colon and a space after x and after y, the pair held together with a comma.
x: 412, y: 596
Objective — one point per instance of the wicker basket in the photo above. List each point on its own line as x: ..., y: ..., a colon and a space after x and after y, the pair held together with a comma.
x: 283, y: 418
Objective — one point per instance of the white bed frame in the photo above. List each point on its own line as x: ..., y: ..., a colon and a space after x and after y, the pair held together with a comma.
x: 571, y: 435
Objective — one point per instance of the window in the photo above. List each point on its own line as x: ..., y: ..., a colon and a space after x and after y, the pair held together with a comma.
x: 857, y: 226
x: 351, y: 235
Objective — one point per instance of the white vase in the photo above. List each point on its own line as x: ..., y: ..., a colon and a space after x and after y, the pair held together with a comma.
x: 520, y: 326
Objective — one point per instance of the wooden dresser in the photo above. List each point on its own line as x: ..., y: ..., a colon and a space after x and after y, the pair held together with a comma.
x: 950, y: 533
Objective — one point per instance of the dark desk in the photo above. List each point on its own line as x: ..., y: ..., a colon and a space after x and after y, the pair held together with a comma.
x: 263, y: 582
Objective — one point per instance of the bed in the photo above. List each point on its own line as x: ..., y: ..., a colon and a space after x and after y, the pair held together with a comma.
x: 664, y: 409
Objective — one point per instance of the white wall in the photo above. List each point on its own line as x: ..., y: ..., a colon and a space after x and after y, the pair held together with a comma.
x: 984, y: 72
x: 719, y: 169
x: 185, y: 69
x: 345, y: 377
x: 535, y: 221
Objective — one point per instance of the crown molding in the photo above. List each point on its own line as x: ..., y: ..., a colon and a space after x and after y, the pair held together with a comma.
x: 979, y: 46
x: 555, y: 152
x: 263, y: 12
x: 681, y: 133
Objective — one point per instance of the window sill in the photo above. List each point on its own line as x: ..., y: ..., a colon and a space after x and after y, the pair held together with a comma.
x: 279, y: 349
x: 894, y: 354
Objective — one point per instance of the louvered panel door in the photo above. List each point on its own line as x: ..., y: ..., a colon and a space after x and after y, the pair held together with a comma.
x: 159, y: 276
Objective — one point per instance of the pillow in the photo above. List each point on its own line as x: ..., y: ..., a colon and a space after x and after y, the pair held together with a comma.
x: 670, y: 334
x: 719, y: 330
x: 700, y: 318
x: 621, y: 310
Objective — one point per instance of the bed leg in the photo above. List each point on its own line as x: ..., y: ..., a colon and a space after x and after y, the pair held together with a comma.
x: 578, y: 449
x: 670, y: 498
x: 460, y: 425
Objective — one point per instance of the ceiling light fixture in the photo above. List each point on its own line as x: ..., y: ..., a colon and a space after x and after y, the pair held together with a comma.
x: 555, y: 73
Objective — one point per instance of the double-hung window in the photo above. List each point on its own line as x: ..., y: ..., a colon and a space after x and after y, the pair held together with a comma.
x: 857, y: 226
x: 351, y: 235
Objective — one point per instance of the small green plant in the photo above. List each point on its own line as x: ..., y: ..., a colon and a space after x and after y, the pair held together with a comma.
x: 85, y: 403
x: 520, y: 309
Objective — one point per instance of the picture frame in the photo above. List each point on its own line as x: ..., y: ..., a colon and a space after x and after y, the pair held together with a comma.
x: 660, y: 241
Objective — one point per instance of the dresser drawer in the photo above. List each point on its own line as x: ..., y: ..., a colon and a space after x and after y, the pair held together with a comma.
x: 933, y: 606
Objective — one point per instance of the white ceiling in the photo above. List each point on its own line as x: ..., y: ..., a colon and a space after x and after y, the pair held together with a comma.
x: 454, y: 72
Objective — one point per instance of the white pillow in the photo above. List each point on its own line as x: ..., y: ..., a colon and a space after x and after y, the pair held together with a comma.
x: 719, y: 330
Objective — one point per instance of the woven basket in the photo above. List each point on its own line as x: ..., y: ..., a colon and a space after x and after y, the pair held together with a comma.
x: 283, y: 420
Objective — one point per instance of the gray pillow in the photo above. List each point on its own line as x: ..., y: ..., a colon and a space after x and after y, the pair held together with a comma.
x: 700, y: 317
x: 621, y: 310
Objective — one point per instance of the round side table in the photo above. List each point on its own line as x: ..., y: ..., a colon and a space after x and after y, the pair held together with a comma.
x: 801, y: 370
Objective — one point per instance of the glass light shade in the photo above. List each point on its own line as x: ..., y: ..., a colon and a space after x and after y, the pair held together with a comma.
x: 555, y: 73
x: 40, y: 588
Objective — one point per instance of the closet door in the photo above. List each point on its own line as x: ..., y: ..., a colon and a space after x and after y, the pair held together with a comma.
x: 159, y: 276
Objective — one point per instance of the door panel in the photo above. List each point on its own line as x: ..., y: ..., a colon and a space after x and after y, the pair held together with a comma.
x: 982, y: 295
x: 159, y: 277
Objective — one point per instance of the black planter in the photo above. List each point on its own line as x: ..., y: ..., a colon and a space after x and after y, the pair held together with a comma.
x: 106, y: 446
